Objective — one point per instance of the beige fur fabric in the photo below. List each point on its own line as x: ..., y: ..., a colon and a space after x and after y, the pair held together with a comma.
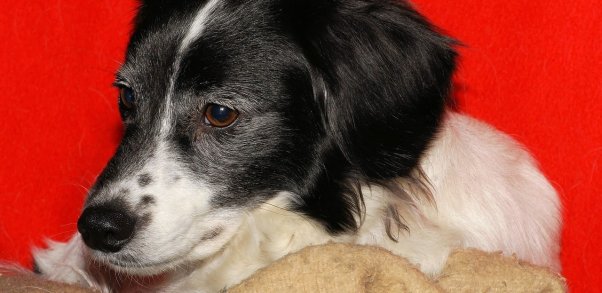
x: 467, y: 270
x: 33, y: 284
x: 338, y: 268
x: 347, y: 268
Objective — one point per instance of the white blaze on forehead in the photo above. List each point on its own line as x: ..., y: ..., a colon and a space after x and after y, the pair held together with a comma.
x: 198, y: 25
x: 194, y: 33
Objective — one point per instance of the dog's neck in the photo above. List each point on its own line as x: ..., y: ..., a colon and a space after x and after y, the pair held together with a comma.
x: 267, y: 234
x: 272, y: 232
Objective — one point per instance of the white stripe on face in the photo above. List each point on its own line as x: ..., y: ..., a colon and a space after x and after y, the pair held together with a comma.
x: 195, y: 31
x: 198, y: 25
x: 181, y: 212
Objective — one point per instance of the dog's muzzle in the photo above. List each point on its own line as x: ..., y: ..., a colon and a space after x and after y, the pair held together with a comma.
x: 105, y: 229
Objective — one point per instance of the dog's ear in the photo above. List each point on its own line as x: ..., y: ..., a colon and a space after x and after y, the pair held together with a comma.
x: 381, y: 74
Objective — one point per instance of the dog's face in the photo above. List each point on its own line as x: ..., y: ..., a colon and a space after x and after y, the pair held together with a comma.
x: 228, y: 104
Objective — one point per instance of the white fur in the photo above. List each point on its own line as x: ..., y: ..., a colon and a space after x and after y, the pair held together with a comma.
x: 488, y: 194
x: 179, y: 218
x: 198, y: 24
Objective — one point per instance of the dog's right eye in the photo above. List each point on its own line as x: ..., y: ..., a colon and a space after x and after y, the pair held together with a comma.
x: 126, y: 97
x: 127, y: 100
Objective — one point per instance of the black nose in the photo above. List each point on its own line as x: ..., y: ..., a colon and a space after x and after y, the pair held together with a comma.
x: 104, y: 229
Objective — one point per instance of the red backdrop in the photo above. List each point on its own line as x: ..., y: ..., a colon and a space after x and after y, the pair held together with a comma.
x: 533, y: 68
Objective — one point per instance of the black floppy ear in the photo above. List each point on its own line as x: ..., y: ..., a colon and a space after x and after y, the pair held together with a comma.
x: 382, y: 75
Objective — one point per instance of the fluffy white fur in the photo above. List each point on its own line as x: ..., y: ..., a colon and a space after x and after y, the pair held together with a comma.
x: 486, y: 189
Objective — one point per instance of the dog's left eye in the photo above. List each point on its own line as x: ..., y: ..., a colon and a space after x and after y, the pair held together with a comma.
x: 219, y: 116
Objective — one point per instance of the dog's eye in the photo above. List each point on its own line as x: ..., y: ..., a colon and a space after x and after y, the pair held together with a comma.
x: 126, y: 98
x: 219, y: 116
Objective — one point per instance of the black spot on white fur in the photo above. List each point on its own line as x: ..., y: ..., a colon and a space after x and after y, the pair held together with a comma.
x: 36, y: 268
x: 145, y: 179
x: 144, y: 221
x: 147, y: 200
x: 212, y: 234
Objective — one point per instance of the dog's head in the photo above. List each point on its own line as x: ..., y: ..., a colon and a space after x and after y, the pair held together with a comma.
x: 228, y: 104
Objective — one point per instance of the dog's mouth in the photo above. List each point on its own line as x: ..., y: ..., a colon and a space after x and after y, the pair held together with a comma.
x: 133, y: 261
x: 131, y: 266
x: 130, y: 277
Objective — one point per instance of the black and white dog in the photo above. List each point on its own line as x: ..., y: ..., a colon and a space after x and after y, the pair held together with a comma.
x: 256, y: 128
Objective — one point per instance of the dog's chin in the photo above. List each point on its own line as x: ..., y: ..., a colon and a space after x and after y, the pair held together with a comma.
x: 145, y: 269
x: 135, y: 259
x: 132, y: 267
x: 138, y: 264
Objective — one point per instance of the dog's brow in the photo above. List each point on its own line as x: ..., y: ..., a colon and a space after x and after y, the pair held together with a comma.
x: 196, y: 29
x: 198, y: 25
x: 119, y: 76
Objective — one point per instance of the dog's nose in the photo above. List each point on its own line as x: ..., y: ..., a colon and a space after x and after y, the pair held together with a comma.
x: 105, y: 229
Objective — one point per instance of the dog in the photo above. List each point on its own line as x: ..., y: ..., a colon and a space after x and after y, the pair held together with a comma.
x: 254, y: 129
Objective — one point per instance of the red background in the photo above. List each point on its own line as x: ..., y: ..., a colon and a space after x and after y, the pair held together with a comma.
x: 533, y: 68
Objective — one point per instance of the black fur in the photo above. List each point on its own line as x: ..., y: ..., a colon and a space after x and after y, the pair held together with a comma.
x: 36, y: 268
x: 331, y: 94
x: 381, y: 76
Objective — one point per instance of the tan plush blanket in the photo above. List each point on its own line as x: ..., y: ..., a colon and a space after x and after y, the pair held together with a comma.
x: 348, y: 268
